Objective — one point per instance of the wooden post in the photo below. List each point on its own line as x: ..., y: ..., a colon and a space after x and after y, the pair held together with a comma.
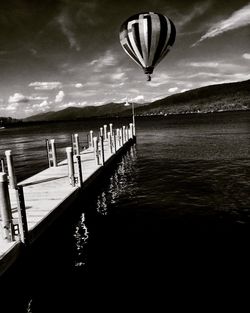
x: 115, y: 147
x: 2, y: 169
x: 48, y: 152
x: 102, y: 150
x: 131, y: 130
x: 105, y: 132
x: 123, y: 135
x: 75, y: 144
x: 71, y: 169
x: 53, y: 151
x: 79, y: 168
x: 22, y: 218
x: 91, y: 139
x: 109, y: 142
x: 5, y: 208
x: 127, y: 133
x: 111, y: 129
x: 87, y: 145
x: 133, y: 116
x: 118, y: 138
x: 101, y: 131
x: 96, y: 150
x: 11, y: 169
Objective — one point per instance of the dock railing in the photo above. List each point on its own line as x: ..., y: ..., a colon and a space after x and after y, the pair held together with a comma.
x: 102, y: 146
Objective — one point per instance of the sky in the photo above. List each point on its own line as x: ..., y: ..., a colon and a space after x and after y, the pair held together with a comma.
x: 60, y: 53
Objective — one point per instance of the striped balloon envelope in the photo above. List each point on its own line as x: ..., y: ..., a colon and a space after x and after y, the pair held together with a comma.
x: 147, y: 38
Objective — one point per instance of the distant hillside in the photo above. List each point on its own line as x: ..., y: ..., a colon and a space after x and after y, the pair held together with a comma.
x: 73, y: 113
x: 215, y: 98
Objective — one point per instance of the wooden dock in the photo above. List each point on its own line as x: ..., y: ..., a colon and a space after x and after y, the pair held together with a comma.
x: 48, y: 194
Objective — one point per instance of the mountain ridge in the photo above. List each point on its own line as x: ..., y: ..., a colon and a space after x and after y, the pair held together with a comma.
x: 212, y: 98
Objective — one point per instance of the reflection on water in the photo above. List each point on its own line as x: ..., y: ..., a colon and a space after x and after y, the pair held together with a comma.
x: 121, y: 183
x: 81, y: 236
x: 101, y: 204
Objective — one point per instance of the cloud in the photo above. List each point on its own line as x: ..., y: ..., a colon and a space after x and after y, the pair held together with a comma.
x: 155, y: 84
x: 41, y: 105
x: 59, y: 96
x: 194, y: 13
x: 117, y: 76
x: 38, y: 98
x: 18, y: 98
x: 219, y: 66
x: 204, y: 64
x: 106, y: 60
x: 78, y: 85
x: 117, y: 85
x: 13, y: 106
x: 155, y: 98
x: 66, y: 28
x: 73, y: 104
x: 173, y: 89
x: 45, y: 85
x: 246, y: 56
x: 158, y: 80
x: 83, y: 93
x: 96, y: 103
x: 138, y: 98
x: 133, y: 90
x: 204, y: 74
x: 238, y: 19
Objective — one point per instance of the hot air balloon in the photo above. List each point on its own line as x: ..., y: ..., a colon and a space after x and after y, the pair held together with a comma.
x: 147, y: 38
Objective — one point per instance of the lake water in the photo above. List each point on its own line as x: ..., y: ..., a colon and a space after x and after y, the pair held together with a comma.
x: 176, y: 209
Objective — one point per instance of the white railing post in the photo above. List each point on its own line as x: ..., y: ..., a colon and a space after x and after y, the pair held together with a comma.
x: 110, y: 142
x: 131, y: 130
x: 2, y: 168
x: 102, y: 150
x: 22, y: 217
x: 114, y: 142
x: 127, y: 133
x: 111, y: 128
x: 5, y: 208
x: 95, y: 143
x: 79, y: 170
x: 53, y: 151
x: 76, y: 148
x: 123, y: 135
x: 11, y: 169
x: 101, y: 131
x: 91, y: 139
x: 105, y: 132
x: 118, y: 137
x: 71, y: 170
